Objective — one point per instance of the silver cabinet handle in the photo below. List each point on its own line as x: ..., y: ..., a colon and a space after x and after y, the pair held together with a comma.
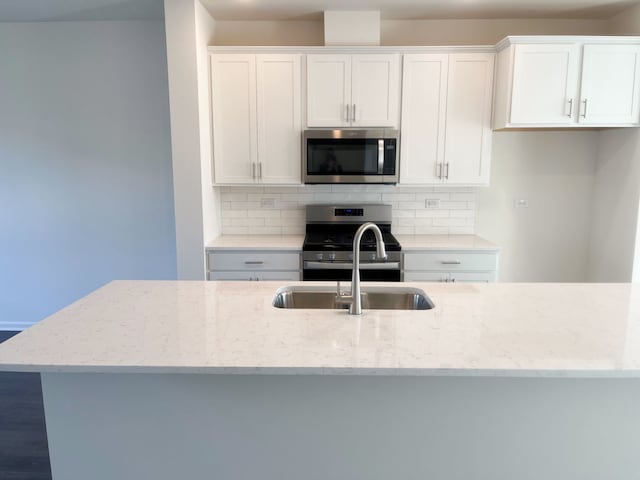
x: 446, y: 175
x: 347, y: 107
x: 450, y: 262
x: 439, y: 170
x: 349, y: 266
x: 354, y: 112
x: 253, y: 262
x: 584, y: 111
x: 260, y: 170
x: 570, y: 102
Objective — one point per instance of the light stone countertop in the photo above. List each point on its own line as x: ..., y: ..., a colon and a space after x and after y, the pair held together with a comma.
x: 518, y: 330
x: 408, y: 242
x: 445, y: 242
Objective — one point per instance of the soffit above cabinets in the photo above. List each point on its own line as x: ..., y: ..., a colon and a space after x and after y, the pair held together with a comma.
x: 416, y: 9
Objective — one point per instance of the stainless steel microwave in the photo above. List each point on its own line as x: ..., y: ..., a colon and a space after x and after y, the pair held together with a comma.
x: 350, y: 156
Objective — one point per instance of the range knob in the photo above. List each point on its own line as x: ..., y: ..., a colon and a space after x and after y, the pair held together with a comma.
x: 319, y: 256
x: 331, y: 256
x: 351, y: 257
x: 372, y: 256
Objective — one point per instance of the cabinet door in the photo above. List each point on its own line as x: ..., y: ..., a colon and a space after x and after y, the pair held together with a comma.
x: 375, y: 90
x: 467, y: 148
x: 424, y: 97
x: 545, y: 80
x: 328, y: 90
x: 233, y: 83
x: 279, y: 124
x: 610, y: 84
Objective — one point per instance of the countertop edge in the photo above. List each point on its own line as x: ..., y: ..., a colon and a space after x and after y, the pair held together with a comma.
x: 323, y: 371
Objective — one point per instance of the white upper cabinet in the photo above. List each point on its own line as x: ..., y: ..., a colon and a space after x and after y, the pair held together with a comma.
x: 567, y: 82
x: 233, y: 89
x: 544, y: 83
x: 467, y: 148
x: 279, y: 118
x: 353, y: 90
x: 256, y: 118
x: 446, y: 118
x: 610, y: 85
x: 424, y: 97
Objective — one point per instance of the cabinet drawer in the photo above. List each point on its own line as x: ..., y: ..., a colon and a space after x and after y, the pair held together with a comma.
x: 253, y: 261
x: 473, y: 277
x: 291, y: 276
x: 450, y: 261
x: 450, y: 277
x: 426, y: 276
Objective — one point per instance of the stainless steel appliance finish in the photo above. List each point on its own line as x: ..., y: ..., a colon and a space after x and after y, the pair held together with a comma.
x: 328, y: 246
x: 373, y: 298
x: 350, y: 156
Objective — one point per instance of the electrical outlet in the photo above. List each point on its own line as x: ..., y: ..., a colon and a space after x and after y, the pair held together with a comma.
x: 268, y: 203
x: 432, y: 203
x: 521, y: 203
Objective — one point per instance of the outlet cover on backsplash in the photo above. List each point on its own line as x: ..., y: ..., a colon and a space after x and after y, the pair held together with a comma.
x: 280, y: 210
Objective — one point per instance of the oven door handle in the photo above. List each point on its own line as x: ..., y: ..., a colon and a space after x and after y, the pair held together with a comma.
x: 349, y: 266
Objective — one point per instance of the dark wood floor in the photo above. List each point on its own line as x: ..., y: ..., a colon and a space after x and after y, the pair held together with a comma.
x: 24, y: 454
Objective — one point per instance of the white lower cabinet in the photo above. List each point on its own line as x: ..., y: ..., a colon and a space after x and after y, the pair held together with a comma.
x: 450, y: 266
x: 253, y: 265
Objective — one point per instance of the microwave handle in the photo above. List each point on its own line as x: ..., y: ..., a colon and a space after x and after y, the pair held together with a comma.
x: 380, y: 156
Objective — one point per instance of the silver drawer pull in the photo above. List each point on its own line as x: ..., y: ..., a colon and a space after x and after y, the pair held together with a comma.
x: 253, y: 262
x: 349, y: 266
x: 451, y: 262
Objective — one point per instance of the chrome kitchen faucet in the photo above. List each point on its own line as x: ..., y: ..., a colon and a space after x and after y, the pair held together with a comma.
x: 355, y: 299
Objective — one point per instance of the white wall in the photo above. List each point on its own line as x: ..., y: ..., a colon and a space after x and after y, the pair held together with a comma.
x: 205, y: 32
x: 481, y: 32
x: 554, y: 172
x: 293, y: 32
x: 615, y: 207
x: 615, y: 238
x: 404, y: 32
x: 614, y: 235
x: 626, y: 22
x: 85, y: 162
x: 180, y: 24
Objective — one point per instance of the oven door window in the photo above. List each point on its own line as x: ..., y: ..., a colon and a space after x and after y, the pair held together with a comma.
x: 342, y: 156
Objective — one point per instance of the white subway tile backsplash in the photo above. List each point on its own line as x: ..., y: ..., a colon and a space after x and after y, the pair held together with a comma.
x: 263, y: 213
x: 433, y: 213
x: 280, y: 210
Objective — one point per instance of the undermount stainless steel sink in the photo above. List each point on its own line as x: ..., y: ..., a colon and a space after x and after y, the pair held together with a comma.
x: 373, y: 298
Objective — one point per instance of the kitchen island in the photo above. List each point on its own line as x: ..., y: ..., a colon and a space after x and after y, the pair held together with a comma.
x: 208, y: 380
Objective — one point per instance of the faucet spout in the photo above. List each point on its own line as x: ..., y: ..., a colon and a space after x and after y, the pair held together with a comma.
x: 355, y: 307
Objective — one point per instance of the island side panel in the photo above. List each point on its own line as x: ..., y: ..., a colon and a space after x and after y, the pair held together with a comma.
x: 106, y: 426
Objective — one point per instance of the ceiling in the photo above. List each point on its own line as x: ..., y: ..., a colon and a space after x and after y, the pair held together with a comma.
x: 422, y: 9
x: 79, y: 10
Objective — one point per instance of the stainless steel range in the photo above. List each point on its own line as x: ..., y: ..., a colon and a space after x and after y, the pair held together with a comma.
x: 327, y: 251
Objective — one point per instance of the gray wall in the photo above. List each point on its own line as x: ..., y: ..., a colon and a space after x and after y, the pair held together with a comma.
x: 85, y: 162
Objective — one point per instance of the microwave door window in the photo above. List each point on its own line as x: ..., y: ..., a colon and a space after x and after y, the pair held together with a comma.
x: 342, y: 157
